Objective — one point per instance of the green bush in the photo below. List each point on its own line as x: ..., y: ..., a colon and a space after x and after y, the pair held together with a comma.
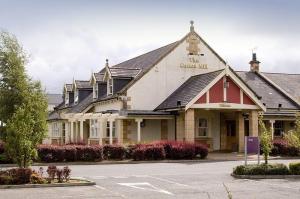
x: 262, y: 169
x: 294, y: 168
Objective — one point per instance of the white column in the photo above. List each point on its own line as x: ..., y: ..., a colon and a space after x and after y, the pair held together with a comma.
x: 272, y: 128
x: 81, y: 130
x: 110, y: 131
x: 72, y: 131
x: 76, y: 131
x: 138, y: 121
x: 66, y: 132
x: 100, y: 130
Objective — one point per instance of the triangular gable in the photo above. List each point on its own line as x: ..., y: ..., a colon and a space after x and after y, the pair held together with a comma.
x: 226, y: 91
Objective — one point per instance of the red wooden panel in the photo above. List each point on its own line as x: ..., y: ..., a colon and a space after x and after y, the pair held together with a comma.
x: 233, y: 92
x: 247, y: 100
x: 216, y: 92
x: 202, y: 99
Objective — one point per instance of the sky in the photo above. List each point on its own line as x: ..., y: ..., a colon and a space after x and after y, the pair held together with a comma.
x: 68, y: 39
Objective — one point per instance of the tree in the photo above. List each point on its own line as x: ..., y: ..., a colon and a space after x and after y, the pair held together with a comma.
x: 23, y: 105
x: 265, y: 139
x: 293, y: 136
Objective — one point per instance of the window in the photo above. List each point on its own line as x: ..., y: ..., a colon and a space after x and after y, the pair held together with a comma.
x: 94, y: 128
x: 76, y: 96
x: 202, y: 128
x: 67, y: 98
x: 113, y: 129
x: 55, y: 129
x: 95, y: 91
x: 110, y: 86
x: 278, y: 128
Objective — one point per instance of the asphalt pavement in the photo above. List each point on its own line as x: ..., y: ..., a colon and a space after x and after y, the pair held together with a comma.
x: 164, y: 180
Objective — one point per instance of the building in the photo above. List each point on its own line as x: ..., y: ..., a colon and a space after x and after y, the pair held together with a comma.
x: 181, y: 91
x: 53, y: 100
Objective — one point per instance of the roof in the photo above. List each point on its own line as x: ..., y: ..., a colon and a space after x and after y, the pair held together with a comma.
x: 288, y: 82
x: 188, y: 90
x: 143, y: 112
x: 83, y: 84
x: 77, y: 108
x: 54, y: 115
x: 99, y: 76
x: 124, y: 72
x: 54, y: 99
x: 270, y: 95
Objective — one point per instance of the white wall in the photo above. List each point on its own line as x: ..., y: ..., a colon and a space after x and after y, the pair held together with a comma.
x: 151, y: 131
x: 156, y: 85
x: 116, y: 105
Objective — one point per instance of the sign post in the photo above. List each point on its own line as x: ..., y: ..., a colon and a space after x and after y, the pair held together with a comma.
x: 252, y: 147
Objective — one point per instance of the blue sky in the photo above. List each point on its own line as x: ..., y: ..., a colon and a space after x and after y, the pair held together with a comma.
x: 72, y: 38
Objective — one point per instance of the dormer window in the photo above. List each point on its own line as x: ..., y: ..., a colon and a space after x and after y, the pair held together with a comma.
x: 95, y: 91
x: 110, y: 86
x: 76, y: 96
x: 67, y: 99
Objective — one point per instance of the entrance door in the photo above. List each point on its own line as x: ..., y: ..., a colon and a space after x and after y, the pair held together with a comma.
x: 231, y: 141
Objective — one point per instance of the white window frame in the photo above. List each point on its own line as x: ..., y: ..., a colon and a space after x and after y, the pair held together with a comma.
x: 67, y: 100
x: 94, y: 130
x: 55, y: 129
x: 199, y: 128
x: 110, y: 86
x: 113, y: 129
x: 76, y: 96
x: 95, y: 90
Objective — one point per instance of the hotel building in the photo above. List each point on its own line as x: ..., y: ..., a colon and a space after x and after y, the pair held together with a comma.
x: 181, y: 91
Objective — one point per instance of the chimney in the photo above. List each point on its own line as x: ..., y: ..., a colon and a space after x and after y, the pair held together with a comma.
x: 254, y: 63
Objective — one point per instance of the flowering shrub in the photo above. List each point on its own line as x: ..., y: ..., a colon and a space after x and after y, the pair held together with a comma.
x: 201, y: 150
x: 281, y: 147
x: 20, y: 175
x: 69, y: 153
x: 182, y: 150
x: 114, y: 152
x: 149, y: 152
x: 294, y: 168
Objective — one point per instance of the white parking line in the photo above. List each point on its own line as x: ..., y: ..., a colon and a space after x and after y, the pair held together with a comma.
x: 146, y: 186
x: 169, y: 181
x: 112, y: 192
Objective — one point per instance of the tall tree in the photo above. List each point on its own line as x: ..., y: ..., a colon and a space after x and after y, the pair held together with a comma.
x: 23, y: 105
x: 265, y: 139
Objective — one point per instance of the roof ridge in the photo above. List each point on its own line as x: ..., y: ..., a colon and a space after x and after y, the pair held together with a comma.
x: 144, y: 53
x: 269, y: 72
x: 125, y: 68
x: 207, y: 73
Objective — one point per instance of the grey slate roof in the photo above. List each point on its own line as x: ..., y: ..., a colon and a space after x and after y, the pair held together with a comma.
x: 99, y: 76
x: 83, y: 84
x: 271, y: 96
x: 288, y: 82
x: 124, y: 72
x: 54, y: 99
x: 78, y: 108
x: 188, y: 90
x: 54, y: 115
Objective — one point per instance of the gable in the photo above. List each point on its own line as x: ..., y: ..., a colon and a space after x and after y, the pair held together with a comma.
x: 225, y: 90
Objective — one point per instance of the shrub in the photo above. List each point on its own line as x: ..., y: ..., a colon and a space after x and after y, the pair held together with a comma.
x: 59, y: 174
x: 51, y: 173
x: 129, y: 151
x: 4, y: 159
x: 201, y: 150
x: 281, y: 147
x: 182, y: 151
x: 114, y: 152
x: 66, y: 173
x: 20, y: 175
x: 295, y: 168
x: 1, y: 147
x: 149, y: 152
x: 70, y: 153
x: 262, y: 169
x: 5, y: 179
x: 35, y: 178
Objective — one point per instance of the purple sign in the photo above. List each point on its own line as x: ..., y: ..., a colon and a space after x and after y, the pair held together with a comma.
x: 252, y: 144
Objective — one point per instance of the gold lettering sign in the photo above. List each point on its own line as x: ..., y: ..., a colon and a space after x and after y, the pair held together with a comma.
x: 193, y: 63
x: 193, y: 42
x: 224, y: 105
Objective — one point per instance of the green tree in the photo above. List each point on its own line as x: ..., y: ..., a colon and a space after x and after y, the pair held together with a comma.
x: 265, y: 139
x: 23, y: 105
x: 293, y: 136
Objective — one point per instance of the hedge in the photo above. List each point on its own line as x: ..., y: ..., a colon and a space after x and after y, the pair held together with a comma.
x: 15, y: 176
x: 114, y: 152
x: 69, y: 153
x: 295, y: 168
x: 149, y: 152
x: 261, y: 169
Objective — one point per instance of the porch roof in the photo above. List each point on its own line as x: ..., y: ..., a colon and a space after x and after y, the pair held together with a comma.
x: 188, y: 90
